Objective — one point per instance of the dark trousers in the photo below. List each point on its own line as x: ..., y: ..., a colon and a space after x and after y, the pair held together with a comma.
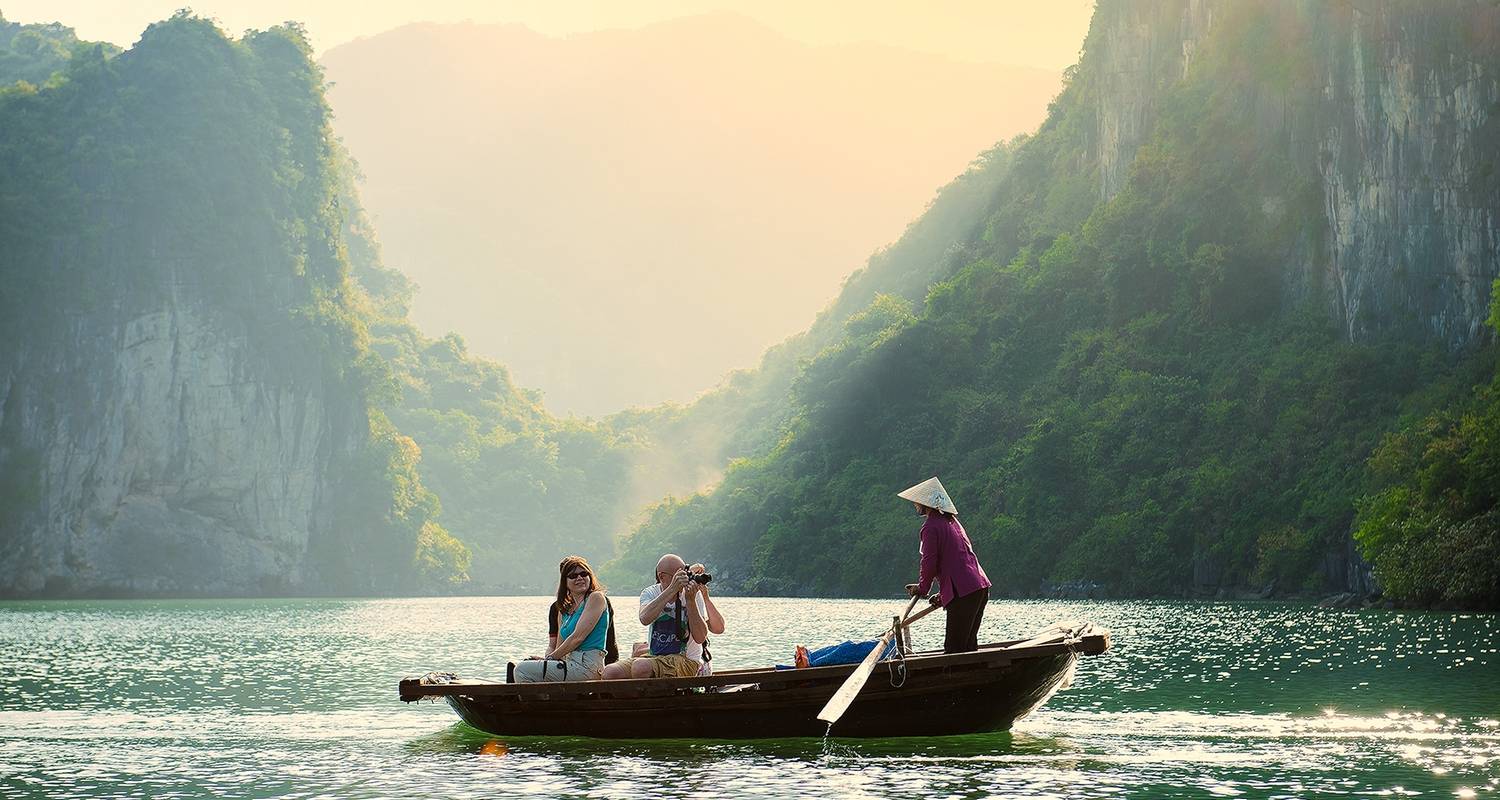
x: 964, y: 616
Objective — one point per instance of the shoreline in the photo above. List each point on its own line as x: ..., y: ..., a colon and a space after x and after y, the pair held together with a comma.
x: 1336, y: 602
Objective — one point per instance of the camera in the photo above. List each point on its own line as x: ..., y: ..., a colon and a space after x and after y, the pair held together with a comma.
x: 700, y: 577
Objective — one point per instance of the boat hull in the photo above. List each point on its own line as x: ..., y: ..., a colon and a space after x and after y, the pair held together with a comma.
x: 931, y: 702
x: 918, y: 694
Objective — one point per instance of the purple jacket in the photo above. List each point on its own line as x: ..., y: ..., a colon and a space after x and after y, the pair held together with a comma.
x: 948, y: 558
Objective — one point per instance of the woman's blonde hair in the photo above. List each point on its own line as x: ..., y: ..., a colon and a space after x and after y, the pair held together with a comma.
x: 564, y: 598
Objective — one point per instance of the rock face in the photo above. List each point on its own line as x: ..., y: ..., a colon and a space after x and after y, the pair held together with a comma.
x: 1139, y: 51
x: 1411, y: 229
x: 176, y: 406
x: 1390, y: 107
x: 1391, y: 114
x: 176, y: 460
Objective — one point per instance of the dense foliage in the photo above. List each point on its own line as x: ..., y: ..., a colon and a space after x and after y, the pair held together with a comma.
x: 1113, y: 390
x: 31, y: 54
x: 1433, y: 530
x: 519, y: 487
x: 195, y: 168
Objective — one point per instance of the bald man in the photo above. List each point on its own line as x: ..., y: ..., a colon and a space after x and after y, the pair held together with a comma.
x: 674, y: 610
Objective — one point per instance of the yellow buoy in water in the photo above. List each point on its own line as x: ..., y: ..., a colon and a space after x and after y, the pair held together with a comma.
x: 494, y: 747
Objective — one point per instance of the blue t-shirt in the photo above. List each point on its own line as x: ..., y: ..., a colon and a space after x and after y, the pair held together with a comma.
x: 595, y: 639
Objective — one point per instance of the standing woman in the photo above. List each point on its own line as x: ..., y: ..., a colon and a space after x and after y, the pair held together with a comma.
x: 583, y: 625
x: 948, y: 558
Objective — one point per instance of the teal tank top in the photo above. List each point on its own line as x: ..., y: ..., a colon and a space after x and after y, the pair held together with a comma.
x: 595, y: 639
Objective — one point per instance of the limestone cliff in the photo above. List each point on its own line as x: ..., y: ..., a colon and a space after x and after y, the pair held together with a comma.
x: 163, y: 452
x: 1390, y: 106
x: 1407, y: 162
x: 182, y: 405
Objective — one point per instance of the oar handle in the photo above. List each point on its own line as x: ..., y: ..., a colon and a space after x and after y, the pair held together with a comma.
x: 910, y: 606
x: 920, y: 614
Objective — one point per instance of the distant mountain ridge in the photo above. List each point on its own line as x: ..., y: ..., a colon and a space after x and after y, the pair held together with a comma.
x: 624, y: 216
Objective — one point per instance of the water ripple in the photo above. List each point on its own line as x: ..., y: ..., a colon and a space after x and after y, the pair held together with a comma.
x: 296, y: 699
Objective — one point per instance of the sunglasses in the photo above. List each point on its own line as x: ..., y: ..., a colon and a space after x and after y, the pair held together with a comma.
x: 578, y: 574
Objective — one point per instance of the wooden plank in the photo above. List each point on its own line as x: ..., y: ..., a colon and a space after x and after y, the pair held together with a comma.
x: 635, y: 685
x: 766, y: 678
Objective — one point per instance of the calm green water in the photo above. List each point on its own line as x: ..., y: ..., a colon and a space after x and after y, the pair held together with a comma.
x: 297, y: 698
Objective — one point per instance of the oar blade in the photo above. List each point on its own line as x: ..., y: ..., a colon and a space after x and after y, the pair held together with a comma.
x: 839, y: 703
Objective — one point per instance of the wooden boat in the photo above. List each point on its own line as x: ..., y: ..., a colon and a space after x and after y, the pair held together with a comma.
x: 916, y: 694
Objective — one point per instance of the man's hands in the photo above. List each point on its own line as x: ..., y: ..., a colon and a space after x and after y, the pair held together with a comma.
x: 683, y: 581
x: 699, y: 569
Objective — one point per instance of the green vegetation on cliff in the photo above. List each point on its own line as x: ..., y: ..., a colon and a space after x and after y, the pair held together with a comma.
x: 1433, y: 529
x: 520, y: 488
x: 1120, y: 389
x: 200, y: 171
x: 32, y: 54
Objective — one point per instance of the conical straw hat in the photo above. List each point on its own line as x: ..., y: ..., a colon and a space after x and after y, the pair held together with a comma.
x: 930, y: 493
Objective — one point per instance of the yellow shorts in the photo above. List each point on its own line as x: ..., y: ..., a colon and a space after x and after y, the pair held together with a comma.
x: 676, y: 665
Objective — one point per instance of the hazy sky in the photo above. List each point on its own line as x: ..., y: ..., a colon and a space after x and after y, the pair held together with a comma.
x: 1021, y: 32
x: 706, y: 175
x: 807, y: 180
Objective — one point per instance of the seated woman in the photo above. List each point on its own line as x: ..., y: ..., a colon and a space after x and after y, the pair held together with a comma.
x: 554, y: 621
x: 583, y: 626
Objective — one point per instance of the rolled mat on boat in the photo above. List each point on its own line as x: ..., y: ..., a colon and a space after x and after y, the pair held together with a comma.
x: 845, y: 652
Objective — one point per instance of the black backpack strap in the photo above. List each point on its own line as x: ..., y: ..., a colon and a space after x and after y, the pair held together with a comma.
x: 611, y: 650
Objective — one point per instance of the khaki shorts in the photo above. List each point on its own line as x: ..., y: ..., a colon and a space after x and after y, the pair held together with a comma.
x: 672, y: 666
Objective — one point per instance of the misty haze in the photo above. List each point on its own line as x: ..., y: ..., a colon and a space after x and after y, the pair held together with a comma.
x: 622, y: 217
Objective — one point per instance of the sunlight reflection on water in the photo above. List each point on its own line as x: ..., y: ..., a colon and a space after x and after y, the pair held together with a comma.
x: 296, y: 698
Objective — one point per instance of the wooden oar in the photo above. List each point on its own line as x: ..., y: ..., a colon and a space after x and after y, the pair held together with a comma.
x: 906, y: 623
x: 841, y: 699
x: 905, y: 640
